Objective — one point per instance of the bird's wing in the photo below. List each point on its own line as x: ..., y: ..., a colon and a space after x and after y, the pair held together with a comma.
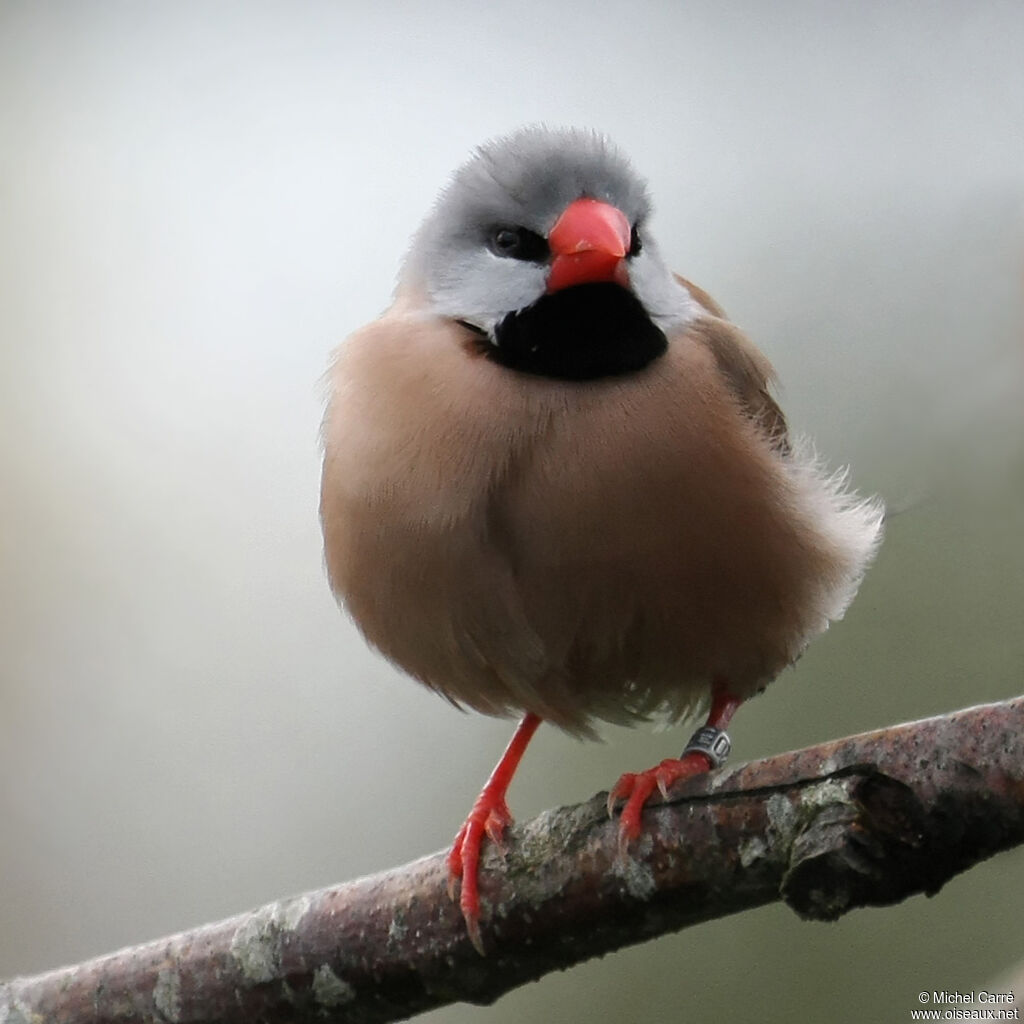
x: 702, y: 297
x: 748, y: 373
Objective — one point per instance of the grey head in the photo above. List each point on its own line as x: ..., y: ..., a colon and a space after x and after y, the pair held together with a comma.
x: 525, y: 181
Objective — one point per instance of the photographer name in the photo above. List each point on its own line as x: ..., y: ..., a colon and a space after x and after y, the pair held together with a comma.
x: 966, y: 998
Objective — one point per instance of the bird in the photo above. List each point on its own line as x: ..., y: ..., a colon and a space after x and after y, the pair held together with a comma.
x: 556, y: 484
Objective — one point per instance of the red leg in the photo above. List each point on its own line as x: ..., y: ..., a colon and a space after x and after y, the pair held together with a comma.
x: 489, y: 816
x: 637, y: 788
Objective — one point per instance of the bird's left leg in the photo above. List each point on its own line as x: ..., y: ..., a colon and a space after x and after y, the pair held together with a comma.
x: 488, y: 817
x: 708, y: 749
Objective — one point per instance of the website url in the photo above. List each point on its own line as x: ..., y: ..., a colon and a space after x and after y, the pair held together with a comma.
x: 959, y: 1013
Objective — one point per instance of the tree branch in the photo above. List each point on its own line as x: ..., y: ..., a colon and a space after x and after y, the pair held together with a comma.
x: 863, y: 821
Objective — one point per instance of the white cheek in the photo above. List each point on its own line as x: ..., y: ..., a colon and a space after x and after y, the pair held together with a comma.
x: 667, y: 302
x: 483, y: 288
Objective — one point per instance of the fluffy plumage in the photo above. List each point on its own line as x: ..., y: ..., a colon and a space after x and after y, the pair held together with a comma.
x: 582, y: 549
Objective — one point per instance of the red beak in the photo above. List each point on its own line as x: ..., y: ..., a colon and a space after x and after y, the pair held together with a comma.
x: 588, y: 243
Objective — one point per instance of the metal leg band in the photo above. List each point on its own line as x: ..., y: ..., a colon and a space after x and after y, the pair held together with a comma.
x: 713, y: 743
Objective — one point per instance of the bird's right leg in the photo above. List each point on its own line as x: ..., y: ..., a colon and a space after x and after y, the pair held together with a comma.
x: 489, y: 817
x: 708, y: 749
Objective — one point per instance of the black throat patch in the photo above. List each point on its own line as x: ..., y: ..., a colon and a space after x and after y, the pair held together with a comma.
x: 580, y: 333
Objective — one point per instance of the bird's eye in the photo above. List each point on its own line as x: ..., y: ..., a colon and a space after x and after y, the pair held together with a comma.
x: 635, y: 245
x: 518, y: 244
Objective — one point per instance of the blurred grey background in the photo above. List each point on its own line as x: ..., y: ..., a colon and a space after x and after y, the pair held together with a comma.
x: 198, y: 201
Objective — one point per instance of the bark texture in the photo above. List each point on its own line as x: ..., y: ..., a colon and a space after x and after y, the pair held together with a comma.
x: 862, y: 821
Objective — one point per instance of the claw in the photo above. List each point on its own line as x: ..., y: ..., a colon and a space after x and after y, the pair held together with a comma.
x: 662, y: 786
x: 473, y: 931
x: 454, y: 862
x: 488, y: 819
x: 497, y: 821
x: 637, y: 788
x: 619, y: 791
x: 623, y: 851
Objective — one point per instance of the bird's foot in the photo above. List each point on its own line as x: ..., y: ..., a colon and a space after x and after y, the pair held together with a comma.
x: 636, y: 789
x: 489, y: 818
x: 708, y: 748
